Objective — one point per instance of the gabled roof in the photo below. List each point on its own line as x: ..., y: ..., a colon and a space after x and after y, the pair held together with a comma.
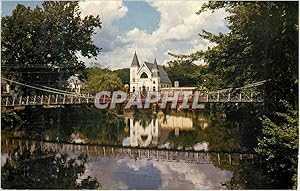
x: 135, y: 61
x: 161, y: 72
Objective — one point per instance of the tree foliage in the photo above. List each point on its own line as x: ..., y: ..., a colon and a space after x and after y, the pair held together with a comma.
x: 124, y: 75
x: 42, y: 45
x: 102, y: 80
x: 262, y: 44
x: 183, y: 69
x: 279, y: 144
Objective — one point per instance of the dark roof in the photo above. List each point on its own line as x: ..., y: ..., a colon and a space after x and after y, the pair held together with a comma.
x: 162, y: 73
x: 135, y: 61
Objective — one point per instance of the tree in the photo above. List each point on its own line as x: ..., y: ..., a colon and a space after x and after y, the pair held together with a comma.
x: 262, y: 44
x: 124, y: 75
x: 279, y: 144
x: 102, y: 80
x: 183, y: 69
x: 41, y: 169
x: 42, y: 45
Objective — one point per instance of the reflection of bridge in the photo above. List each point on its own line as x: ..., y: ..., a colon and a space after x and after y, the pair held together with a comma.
x: 94, y: 151
x: 51, y: 96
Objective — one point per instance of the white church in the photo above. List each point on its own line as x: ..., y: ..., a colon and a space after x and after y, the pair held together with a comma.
x: 147, y: 76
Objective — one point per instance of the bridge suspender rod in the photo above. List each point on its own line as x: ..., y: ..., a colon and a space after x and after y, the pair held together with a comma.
x: 56, y: 99
x: 20, y: 101
x: 13, y: 103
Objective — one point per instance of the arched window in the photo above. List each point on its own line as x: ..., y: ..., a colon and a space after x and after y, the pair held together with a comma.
x: 154, y: 88
x: 144, y: 75
x: 133, y: 89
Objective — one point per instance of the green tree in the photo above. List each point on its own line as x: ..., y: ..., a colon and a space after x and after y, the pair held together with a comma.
x: 40, y: 169
x: 124, y: 75
x: 184, y: 70
x: 42, y: 45
x: 279, y: 144
x: 262, y: 43
x: 102, y: 79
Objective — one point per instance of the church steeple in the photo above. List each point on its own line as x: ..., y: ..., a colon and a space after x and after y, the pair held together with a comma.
x: 135, y: 61
x: 155, y: 68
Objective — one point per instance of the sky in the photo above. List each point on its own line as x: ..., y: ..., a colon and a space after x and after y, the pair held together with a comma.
x: 151, y: 28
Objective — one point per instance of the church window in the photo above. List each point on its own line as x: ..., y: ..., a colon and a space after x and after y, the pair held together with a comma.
x: 154, y: 88
x: 144, y: 75
x: 153, y: 82
x: 133, y: 89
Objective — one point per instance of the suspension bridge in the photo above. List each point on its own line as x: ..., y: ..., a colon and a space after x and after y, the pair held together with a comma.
x: 251, y: 93
x: 95, y: 151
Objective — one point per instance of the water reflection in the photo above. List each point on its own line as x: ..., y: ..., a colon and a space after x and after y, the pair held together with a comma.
x: 155, y: 131
x: 149, y: 132
x: 145, y: 174
x: 37, y: 168
x: 187, y: 131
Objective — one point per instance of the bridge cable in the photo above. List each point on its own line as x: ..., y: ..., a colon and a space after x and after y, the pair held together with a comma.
x: 42, y: 89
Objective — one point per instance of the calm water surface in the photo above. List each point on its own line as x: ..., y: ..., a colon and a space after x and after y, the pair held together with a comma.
x: 146, y: 149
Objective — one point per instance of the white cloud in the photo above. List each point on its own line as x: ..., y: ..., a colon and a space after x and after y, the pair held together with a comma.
x: 177, y: 32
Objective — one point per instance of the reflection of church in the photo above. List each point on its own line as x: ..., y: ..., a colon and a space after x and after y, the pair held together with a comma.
x: 158, y: 130
x: 143, y: 136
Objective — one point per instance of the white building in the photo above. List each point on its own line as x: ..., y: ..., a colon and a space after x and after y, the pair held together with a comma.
x: 75, y: 84
x: 147, y: 76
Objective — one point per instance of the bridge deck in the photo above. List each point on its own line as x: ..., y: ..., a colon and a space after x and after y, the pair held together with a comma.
x: 58, y: 99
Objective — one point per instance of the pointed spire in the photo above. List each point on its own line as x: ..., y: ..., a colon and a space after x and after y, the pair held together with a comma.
x: 135, y: 61
x: 155, y: 61
x: 155, y: 68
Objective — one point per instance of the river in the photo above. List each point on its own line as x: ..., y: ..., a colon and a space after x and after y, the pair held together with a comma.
x: 146, y: 149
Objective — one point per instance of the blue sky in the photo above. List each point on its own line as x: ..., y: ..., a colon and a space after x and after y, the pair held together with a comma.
x: 140, y: 14
x: 151, y: 28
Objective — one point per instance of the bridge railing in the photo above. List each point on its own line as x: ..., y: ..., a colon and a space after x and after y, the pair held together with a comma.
x: 96, y: 151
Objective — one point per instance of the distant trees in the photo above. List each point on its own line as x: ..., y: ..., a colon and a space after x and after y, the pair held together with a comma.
x: 42, y: 45
x: 124, y: 75
x: 184, y: 71
x: 102, y: 79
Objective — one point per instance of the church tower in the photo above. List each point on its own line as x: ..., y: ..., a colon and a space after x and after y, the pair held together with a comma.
x: 135, y: 65
x: 155, y: 77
